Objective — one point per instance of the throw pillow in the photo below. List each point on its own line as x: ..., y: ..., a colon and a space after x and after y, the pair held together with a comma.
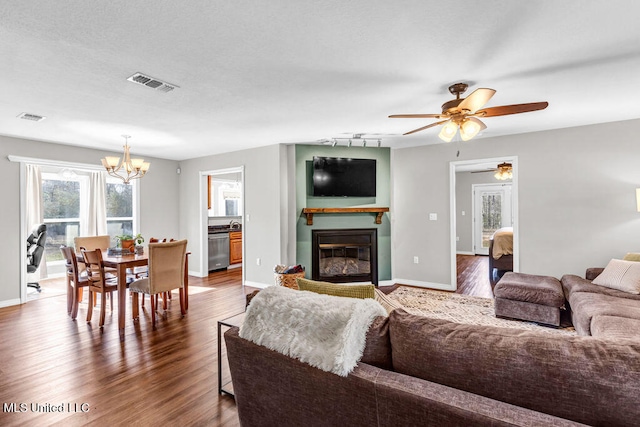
x: 388, y: 303
x: 352, y: 291
x: 621, y: 275
x: 632, y: 256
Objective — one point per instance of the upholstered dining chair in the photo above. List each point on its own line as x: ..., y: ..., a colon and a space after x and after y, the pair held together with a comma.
x: 166, y: 272
x: 144, y: 272
x: 76, y: 280
x: 98, y: 282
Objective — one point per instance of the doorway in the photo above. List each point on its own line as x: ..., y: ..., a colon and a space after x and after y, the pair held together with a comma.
x: 222, y: 226
x: 463, y: 235
x: 492, y: 209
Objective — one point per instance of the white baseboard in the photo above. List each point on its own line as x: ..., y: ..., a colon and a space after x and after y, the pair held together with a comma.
x: 421, y: 284
x: 195, y: 273
x: 257, y: 284
x: 385, y: 283
x: 10, y: 302
x: 465, y: 253
x: 232, y: 266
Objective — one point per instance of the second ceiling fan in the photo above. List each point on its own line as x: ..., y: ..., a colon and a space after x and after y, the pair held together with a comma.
x: 463, y: 113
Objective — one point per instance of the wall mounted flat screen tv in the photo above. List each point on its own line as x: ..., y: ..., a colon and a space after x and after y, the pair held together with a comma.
x: 342, y: 177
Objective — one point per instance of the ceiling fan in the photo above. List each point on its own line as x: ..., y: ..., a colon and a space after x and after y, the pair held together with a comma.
x: 463, y: 113
x: 502, y: 172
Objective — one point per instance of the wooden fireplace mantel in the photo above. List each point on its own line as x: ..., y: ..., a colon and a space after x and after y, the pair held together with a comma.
x: 309, y: 212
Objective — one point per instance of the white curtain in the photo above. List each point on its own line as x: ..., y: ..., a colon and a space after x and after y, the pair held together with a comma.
x: 97, y: 223
x: 35, y: 212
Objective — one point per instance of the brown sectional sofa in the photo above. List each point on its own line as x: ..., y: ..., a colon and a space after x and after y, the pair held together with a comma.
x: 600, y: 311
x: 419, y: 371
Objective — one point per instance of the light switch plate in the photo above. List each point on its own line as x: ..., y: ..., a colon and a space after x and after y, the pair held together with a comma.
x: 433, y: 217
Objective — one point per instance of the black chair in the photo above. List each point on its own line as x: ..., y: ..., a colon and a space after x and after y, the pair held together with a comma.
x: 35, y: 251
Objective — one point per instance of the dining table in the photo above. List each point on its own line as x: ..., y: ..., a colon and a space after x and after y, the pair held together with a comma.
x: 121, y: 263
x: 129, y: 261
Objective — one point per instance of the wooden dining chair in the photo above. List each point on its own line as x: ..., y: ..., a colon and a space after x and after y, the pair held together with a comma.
x: 166, y: 272
x: 98, y: 282
x: 76, y: 281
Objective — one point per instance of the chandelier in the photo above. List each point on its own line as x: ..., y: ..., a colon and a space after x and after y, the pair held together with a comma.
x: 129, y: 168
x: 504, y: 171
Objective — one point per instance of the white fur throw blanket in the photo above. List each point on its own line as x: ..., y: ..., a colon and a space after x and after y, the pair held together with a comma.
x: 324, y: 331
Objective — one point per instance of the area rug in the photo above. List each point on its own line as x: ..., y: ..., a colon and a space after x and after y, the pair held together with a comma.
x: 462, y: 309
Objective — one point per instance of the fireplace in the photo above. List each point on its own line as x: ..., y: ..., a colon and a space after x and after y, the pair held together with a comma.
x: 345, y: 255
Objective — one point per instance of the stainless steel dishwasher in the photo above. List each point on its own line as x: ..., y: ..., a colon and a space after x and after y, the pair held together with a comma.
x: 218, y: 250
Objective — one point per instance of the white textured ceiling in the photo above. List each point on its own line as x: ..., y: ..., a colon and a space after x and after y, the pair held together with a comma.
x: 254, y: 73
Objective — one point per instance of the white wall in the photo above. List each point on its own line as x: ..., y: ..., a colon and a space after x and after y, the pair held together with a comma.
x: 158, y: 193
x: 576, y: 199
x: 265, y: 177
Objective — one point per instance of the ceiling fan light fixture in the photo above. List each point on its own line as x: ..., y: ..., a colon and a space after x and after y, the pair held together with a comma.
x: 448, y: 131
x: 470, y: 127
x: 504, y: 172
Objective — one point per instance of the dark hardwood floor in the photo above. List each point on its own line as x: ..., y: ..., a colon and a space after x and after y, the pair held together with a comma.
x: 473, y: 275
x: 153, y: 377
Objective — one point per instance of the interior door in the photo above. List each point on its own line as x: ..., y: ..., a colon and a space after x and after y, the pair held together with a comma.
x: 492, y: 210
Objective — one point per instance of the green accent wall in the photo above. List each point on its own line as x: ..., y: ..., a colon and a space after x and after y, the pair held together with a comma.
x: 305, y: 199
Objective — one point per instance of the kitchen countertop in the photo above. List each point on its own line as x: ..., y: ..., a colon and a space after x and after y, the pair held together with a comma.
x: 218, y: 229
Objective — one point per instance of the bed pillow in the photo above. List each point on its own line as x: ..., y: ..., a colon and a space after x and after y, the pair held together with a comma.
x: 621, y: 275
x: 352, y: 291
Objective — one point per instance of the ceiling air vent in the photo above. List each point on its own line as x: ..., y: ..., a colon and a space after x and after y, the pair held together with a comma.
x: 151, y: 82
x: 32, y: 117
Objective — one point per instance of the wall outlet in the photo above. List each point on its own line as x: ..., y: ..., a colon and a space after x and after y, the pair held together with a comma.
x: 463, y: 213
x: 248, y: 217
x: 457, y: 238
x: 433, y: 217
x: 416, y: 260
x: 258, y: 261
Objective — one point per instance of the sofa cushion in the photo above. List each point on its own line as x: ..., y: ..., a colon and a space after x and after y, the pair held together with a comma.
x: 352, y: 291
x: 573, y: 284
x: 615, y: 327
x: 272, y: 389
x: 377, y: 349
x: 577, y: 378
x: 587, y: 305
x: 621, y: 275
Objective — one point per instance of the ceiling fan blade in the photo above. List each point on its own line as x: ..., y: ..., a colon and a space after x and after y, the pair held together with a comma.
x: 511, y: 109
x: 425, y: 127
x: 476, y: 100
x: 416, y: 116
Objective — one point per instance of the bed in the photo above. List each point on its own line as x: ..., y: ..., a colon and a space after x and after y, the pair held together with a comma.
x: 500, y: 254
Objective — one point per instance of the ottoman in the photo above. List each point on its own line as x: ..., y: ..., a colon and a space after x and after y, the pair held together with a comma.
x: 529, y: 297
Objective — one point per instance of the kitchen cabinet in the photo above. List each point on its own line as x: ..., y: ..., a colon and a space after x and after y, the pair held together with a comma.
x: 235, y: 247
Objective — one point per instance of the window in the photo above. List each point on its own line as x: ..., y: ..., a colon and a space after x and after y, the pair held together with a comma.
x: 119, y: 200
x: 66, y: 206
x: 62, y: 211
